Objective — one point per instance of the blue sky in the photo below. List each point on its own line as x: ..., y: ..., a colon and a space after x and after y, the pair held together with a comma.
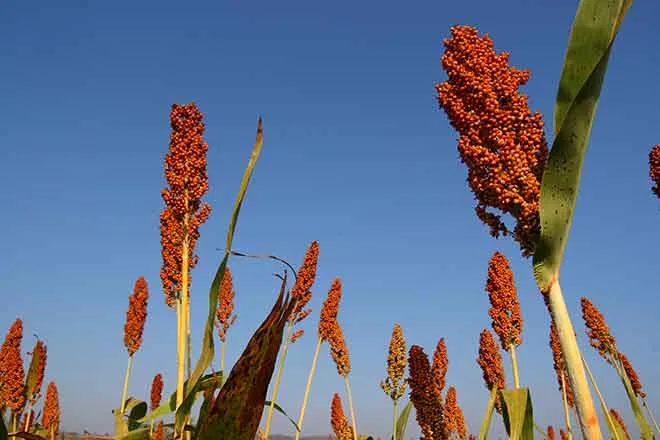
x: 357, y: 155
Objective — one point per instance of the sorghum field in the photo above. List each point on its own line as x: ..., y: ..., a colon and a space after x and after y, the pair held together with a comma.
x: 522, y: 168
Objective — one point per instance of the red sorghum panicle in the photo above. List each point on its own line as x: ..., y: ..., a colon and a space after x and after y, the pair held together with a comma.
x: 654, y: 168
x: 505, y: 308
x: 339, y: 350
x: 224, y: 317
x: 51, y: 411
x: 136, y: 316
x: 597, y: 330
x: 559, y: 365
x: 156, y: 390
x: 500, y: 140
x: 296, y: 335
x: 490, y: 361
x: 330, y: 310
x: 339, y: 421
x: 632, y: 375
x: 301, y: 291
x: 159, y: 432
x: 427, y: 403
x: 394, y: 384
x: 616, y: 416
x: 551, y: 433
x: 563, y: 435
x: 454, y: 420
x: 12, y: 374
x: 439, y: 366
x: 187, y: 179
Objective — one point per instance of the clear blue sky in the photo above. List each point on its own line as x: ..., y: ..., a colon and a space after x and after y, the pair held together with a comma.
x: 357, y: 155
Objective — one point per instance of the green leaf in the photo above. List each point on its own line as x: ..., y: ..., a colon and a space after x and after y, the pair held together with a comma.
x: 237, y: 409
x: 33, y: 373
x: 402, y: 421
x: 207, y: 352
x: 138, y: 434
x: 3, y: 428
x: 644, y: 427
x: 518, y: 414
x: 488, y: 415
x: 592, y: 35
x: 136, y: 413
x: 281, y: 411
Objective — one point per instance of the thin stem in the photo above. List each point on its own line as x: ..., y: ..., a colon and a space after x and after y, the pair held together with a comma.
x: 650, y: 413
x: 308, y: 388
x: 603, y: 404
x: 488, y: 415
x: 514, y: 364
x: 185, y: 299
x: 189, y: 352
x: 276, y: 385
x: 350, y: 406
x: 222, y: 362
x: 394, y: 414
x: 28, y: 416
x: 567, y: 416
x: 587, y: 417
x: 14, y: 421
x: 123, y: 395
x: 644, y: 426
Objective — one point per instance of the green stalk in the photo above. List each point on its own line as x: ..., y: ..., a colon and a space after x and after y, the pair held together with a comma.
x: 350, y: 406
x: 276, y: 386
x: 650, y: 413
x: 644, y: 427
x: 307, y: 388
x: 28, y: 419
x: 584, y: 404
x: 222, y: 362
x: 567, y: 416
x: 185, y: 306
x: 603, y: 405
x: 14, y: 423
x: 123, y: 395
x: 394, y: 414
x: 485, y: 422
x: 514, y: 364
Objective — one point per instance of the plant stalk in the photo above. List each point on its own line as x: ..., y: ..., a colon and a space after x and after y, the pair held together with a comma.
x: 650, y: 413
x: 185, y: 300
x: 394, y: 414
x: 586, y: 412
x: 308, y: 388
x: 603, y: 404
x: 28, y: 417
x: 488, y: 415
x: 514, y: 364
x: 567, y: 416
x: 350, y: 406
x: 222, y: 362
x: 123, y: 395
x: 276, y: 385
x: 644, y: 426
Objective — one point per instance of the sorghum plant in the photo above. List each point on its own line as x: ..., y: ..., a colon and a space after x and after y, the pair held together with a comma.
x: 12, y: 374
x: 394, y: 385
x: 51, y: 411
x: 225, y: 317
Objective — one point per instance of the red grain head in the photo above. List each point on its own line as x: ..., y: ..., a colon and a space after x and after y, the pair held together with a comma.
x: 330, y: 310
x: 224, y: 317
x: 618, y: 419
x: 490, y: 361
x: 12, y: 374
x: 51, y: 411
x: 597, y: 330
x: 423, y: 394
x: 551, y: 433
x: 559, y: 365
x: 500, y: 140
x: 454, y: 420
x: 505, y: 308
x: 156, y: 391
x: 563, y: 435
x: 305, y: 277
x: 439, y: 366
x: 633, y: 377
x: 339, y: 421
x: 654, y: 169
x: 136, y: 316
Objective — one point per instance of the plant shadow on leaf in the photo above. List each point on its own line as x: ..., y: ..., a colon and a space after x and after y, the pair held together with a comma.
x: 236, y: 411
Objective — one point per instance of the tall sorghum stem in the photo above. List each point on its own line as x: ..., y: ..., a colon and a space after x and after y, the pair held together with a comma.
x: 276, y: 385
x: 608, y: 416
x: 349, y: 395
x: 28, y: 416
x: 650, y: 413
x: 394, y: 414
x: 122, y: 406
x: 567, y: 416
x: 488, y: 415
x: 308, y: 387
x: 514, y: 364
x: 185, y: 301
x: 222, y: 359
x: 584, y: 404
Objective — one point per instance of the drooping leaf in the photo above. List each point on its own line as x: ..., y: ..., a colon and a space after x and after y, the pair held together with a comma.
x: 281, y: 411
x: 488, y: 415
x: 136, y: 413
x: 237, y: 409
x: 594, y: 29
x: 207, y: 351
x: 33, y: 373
x: 517, y: 413
x: 402, y: 421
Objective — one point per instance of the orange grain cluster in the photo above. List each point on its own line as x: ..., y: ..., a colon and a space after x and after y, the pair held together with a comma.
x: 490, y: 361
x: 185, y: 172
x: 159, y: 432
x: 454, y: 420
x: 339, y: 421
x: 654, y: 168
x: 330, y: 330
x: 301, y: 291
x: 439, y: 367
x: 559, y: 365
x: 597, y: 330
x: 136, y: 316
x: 563, y: 435
x: 156, y: 390
x: 551, y: 433
x: 12, y: 374
x: 51, y: 414
x: 500, y: 140
x: 224, y: 317
x: 394, y: 384
x: 505, y: 308
x: 632, y: 375
x: 296, y: 335
x: 616, y: 416
x: 424, y: 396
